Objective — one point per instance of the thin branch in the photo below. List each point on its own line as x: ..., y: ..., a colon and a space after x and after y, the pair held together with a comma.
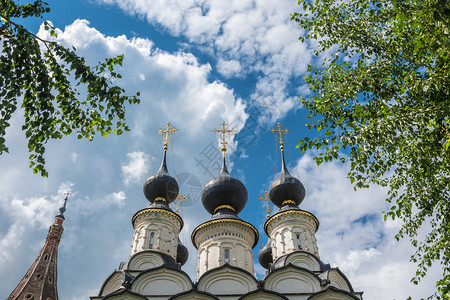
x: 33, y: 35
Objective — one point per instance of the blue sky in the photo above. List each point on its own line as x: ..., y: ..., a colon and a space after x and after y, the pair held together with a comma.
x: 196, y: 64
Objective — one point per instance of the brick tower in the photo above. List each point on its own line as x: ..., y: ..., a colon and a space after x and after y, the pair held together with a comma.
x: 39, y: 283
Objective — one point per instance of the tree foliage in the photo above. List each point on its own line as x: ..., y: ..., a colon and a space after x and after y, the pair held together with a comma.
x: 381, y: 102
x: 43, y: 79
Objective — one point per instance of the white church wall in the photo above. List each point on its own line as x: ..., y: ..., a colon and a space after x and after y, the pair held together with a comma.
x: 162, y: 281
x: 215, y: 239
x: 145, y: 260
x: 156, y: 229
x: 292, y: 280
x: 113, y: 283
x: 338, y: 280
x: 227, y: 281
x: 284, y: 228
x: 304, y: 260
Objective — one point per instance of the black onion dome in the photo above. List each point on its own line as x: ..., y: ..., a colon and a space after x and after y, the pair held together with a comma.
x: 265, y: 255
x: 286, y: 189
x: 182, y: 253
x: 224, y: 192
x: 161, y: 185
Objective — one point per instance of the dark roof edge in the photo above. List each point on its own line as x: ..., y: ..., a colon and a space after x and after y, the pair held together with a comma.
x: 334, y: 289
x: 123, y: 291
x: 264, y: 291
x: 193, y: 290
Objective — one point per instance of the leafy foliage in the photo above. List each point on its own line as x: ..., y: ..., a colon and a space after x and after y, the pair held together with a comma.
x: 36, y: 76
x: 382, y: 98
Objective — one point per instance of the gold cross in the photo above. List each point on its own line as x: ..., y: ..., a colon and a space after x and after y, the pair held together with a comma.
x: 180, y: 199
x: 265, y: 200
x: 223, y: 131
x: 167, y: 133
x: 281, y: 132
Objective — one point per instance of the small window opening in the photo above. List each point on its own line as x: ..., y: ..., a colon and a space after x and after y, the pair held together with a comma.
x: 227, y: 256
x: 45, y: 256
x: 299, y: 244
x: 152, y: 240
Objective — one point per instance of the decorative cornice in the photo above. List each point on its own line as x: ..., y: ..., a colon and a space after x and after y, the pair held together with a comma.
x: 288, y: 212
x: 225, y: 220
x: 160, y: 199
x: 225, y: 206
x: 164, y: 211
x: 285, y: 202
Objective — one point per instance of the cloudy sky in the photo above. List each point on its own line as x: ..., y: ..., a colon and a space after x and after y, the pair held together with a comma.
x: 196, y: 64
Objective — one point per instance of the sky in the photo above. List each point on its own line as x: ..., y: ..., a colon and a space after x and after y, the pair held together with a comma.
x: 196, y: 64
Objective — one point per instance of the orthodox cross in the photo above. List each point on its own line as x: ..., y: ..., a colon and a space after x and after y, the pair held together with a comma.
x: 281, y: 132
x: 223, y: 131
x: 167, y: 133
x: 180, y: 199
x: 265, y: 200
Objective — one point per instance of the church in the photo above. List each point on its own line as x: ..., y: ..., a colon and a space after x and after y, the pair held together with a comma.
x: 225, y: 243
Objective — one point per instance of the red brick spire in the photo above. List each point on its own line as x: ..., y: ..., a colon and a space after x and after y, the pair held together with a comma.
x: 39, y: 283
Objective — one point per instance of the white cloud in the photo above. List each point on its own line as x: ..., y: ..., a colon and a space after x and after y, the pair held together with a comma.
x: 229, y: 68
x: 11, y: 240
x: 246, y: 37
x: 74, y: 157
x: 119, y: 198
x: 136, y: 167
x: 27, y: 214
x: 173, y: 86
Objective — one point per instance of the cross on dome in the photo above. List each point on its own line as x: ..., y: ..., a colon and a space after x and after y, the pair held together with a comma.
x: 167, y: 133
x: 281, y: 132
x: 265, y: 200
x: 223, y: 131
x: 180, y: 198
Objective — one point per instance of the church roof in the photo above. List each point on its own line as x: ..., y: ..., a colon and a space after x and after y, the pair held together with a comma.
x: 161, y: 187
x: 224, y: 192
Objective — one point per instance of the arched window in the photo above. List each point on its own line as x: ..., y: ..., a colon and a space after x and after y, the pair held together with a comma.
x: 152, y: 240
x: 299, y: 244
x: 226, y: 256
